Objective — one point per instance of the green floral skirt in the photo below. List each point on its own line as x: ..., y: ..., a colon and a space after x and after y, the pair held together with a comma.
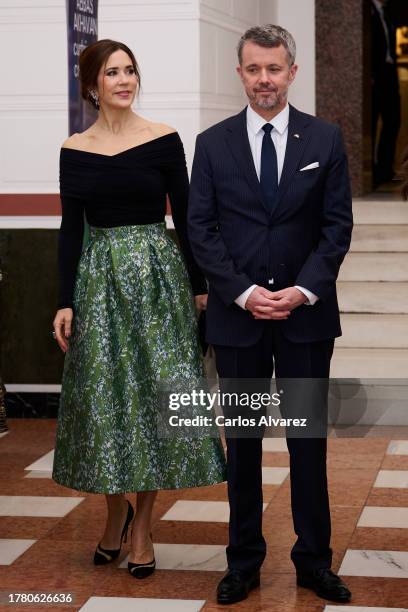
x: 134, y: 325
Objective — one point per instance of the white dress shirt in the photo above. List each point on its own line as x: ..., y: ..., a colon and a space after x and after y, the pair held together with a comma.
x: 279, y: 136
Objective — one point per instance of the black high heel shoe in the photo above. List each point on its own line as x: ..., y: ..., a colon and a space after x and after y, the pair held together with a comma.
x: 102, y: 555
x: 142, y: 570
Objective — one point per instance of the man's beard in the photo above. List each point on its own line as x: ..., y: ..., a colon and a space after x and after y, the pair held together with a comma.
x: 268, y: 102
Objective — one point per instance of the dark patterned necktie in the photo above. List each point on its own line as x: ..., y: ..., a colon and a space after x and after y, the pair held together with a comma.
x: 269, y: 167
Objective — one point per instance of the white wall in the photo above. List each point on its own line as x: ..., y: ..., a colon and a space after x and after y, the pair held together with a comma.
x: 186, y: 51
x: 33, y: 105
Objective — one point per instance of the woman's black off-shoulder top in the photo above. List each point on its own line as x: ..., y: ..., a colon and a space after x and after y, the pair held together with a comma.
x: 128, y: 188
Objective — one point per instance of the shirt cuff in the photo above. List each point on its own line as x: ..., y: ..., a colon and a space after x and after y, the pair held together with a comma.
x: 241, y: 299
x: 311, y: 297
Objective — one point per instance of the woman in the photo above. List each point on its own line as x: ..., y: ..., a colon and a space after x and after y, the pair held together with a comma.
x: 126, y: 315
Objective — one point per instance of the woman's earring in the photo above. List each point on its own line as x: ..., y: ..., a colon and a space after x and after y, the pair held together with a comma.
x: 94, y: 97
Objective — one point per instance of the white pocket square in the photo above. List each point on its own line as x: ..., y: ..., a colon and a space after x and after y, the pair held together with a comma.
x: 310, y: 166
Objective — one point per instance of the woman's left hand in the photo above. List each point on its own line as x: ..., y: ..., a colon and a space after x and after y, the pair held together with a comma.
x: 201, y: 301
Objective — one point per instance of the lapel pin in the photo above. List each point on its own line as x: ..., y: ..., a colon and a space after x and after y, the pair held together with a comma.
x: 296, y: 135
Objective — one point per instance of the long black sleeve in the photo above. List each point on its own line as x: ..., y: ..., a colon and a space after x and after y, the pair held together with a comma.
x: 177, y: 189
x: 70, y: 236
x: 69, y: 248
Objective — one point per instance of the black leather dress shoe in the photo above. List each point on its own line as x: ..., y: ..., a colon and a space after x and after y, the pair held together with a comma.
x: 235, y: 586
x: 325, y: 584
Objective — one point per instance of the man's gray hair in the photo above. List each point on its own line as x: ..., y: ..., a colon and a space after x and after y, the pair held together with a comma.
x: 269, y: 35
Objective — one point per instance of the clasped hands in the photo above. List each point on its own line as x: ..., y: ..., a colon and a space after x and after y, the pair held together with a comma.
x: 277, y: 305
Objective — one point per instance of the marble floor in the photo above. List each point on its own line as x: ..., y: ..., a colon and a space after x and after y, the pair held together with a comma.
x: 48, y: 533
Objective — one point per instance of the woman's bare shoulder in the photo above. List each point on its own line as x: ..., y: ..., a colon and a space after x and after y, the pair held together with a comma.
x: 77, y: 141
x: 162, y: 129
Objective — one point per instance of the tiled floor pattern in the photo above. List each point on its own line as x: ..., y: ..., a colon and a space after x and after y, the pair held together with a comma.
x: 392, y: 479
x: 202, y: 557
x: 130, y: 604
x: 48, y: 533
x: 11, y: 549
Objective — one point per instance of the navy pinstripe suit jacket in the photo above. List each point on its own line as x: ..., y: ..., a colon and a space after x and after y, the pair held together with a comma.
x: 237, y: 241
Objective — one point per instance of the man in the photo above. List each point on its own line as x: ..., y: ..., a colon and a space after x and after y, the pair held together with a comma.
x: 385, y: 87
x: 270, y: 223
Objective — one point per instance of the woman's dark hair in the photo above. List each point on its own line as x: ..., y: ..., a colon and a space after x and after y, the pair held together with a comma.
x: 91, y: 61
x: 404, y: 174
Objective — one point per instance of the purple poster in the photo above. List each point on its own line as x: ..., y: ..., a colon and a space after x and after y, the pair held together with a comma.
x: 82, y: 24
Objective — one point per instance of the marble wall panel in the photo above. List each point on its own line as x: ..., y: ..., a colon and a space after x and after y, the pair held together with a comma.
x: 342, y: 80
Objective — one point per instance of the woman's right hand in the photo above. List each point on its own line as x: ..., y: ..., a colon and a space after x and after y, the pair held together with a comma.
x: 62, y: 327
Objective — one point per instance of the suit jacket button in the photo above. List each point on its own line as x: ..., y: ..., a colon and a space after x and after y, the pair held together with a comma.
x: 271, y: 281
